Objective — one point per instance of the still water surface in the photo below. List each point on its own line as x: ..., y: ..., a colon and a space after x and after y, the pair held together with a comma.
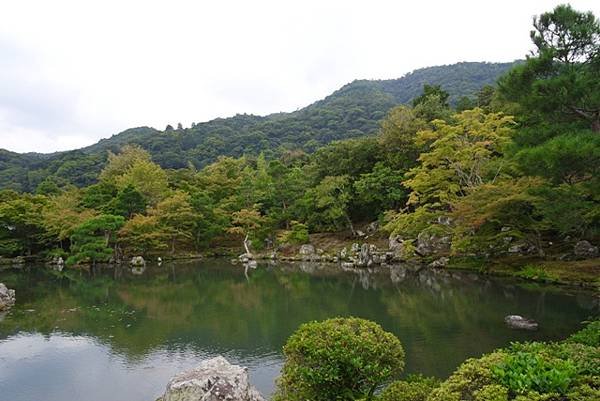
x: 117, y: 334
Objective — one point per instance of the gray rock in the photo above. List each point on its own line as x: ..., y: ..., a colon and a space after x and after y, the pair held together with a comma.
x: 395, y: 243
x: 7, y: 297
x: 344, y: 253
x: 520, y: 323
x: 360, y: 233
x: 372, y: 227
x: 429, y: 244
x: 245, y: 257
x: 583, y: 249
x: 137, y: 261
x: 441, y: 262
x: 307, y: 252
x: 355, y: 248
x: 213, y: 380
x: 307, y: 249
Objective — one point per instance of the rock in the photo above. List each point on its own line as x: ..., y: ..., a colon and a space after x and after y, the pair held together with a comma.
x: 372, y: 227
x: 344, y: 253
x: 444, y: 220
x: 522, y: 248
x: 364, y: 256
x: 347, y: 265
x: 355, y: 248
x: 520, y: 323
x: 137, y: 261
x: 7, y: 297
x: 429, y: 244
x: 213, y: 380
x: 441, y: 262
x: 245, y: 257
x: 583, y: 249
x: 307, y: 252
x: 360, y: 233
x: 395, y: 243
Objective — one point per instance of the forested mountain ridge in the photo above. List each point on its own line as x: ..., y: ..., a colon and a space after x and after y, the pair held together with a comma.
x: 353, y: 111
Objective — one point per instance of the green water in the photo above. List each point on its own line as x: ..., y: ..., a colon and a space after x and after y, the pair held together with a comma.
x: 114, y: 334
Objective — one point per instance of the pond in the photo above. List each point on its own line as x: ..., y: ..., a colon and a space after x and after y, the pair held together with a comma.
x: 117, y: 334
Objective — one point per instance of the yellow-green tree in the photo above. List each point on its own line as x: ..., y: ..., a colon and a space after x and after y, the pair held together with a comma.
x: 462, y: 154
x: 176, y: 218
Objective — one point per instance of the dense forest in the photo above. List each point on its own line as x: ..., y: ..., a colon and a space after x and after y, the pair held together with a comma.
x: 512, y: 163
x: 351, y: 112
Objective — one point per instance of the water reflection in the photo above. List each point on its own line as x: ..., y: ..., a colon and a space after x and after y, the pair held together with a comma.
x: 139, y: 327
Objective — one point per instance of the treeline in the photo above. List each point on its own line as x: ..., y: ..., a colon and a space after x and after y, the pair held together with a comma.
x: 353, y: 111
x: 518, y: 161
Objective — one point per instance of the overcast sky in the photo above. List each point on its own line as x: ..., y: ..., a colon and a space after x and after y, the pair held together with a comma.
x: 72, y: 72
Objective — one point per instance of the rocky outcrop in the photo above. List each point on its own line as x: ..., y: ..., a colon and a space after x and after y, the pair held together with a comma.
x: 7, y: 297
x: 585, y: 250
x: 429, y: 244
x: 213, y: 380
x: 520, y: 323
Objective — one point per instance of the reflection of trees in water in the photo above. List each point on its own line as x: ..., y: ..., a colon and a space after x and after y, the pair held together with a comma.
x: 212, y: 305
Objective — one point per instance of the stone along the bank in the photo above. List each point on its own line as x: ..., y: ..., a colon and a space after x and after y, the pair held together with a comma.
x: 213, y: 380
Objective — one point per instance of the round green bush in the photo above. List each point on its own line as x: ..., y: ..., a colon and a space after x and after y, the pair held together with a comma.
x: 338, y: 359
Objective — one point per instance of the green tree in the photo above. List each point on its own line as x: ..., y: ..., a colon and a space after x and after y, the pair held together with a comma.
x: 21, y: 228
x: 176, y: 218
x: 142, y: 235
x: 94, y: 240
x: 560, y: 83
x: 128, y: 202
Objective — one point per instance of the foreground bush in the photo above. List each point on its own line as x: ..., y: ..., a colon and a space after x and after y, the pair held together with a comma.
x: 414, y: 388
x: 338, y: 359
x: 568, y: 370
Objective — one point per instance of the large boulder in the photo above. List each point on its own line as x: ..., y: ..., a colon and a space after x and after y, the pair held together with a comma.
x: 213, y: 380
x: 585, y: 250
x: 7, y: 297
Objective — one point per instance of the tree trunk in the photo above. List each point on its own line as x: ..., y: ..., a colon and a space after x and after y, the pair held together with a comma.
x: 246, y: 242
x: 596, y: 125
x: 351, y: 225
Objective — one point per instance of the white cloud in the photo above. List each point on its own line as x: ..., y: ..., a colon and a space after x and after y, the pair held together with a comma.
x: 73, y: 72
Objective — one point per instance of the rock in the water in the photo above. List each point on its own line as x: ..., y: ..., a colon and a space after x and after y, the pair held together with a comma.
x: 212, y: 380
x: 521, y: 323
x: 137, y: 261
x: 7, y: 297
x: 583, y: 249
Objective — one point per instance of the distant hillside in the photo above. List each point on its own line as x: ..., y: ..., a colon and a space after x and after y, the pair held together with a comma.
x: 352, y: 111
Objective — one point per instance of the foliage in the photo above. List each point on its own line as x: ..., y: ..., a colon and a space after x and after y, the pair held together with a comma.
x: 522, y: 372
x: 589, y: 335
x: 360, y: 356
x: 297, y: 235
x: 350, y: 112
x: 21, y: 229
x: 413, y: 388
x: 534, y: 272
x: 93, y: 240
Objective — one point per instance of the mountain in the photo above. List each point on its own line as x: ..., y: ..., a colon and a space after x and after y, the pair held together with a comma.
x: 352, y: 111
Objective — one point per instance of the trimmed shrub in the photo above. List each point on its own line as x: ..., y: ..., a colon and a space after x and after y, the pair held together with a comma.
x: 414, y: 388
x: 338, y: 359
